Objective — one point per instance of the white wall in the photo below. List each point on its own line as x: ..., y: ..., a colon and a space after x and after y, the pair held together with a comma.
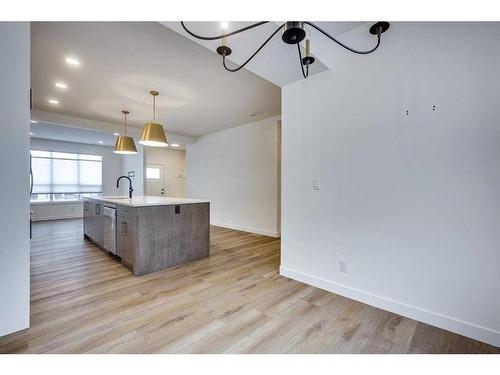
x: 111, y: 170
x: 56, y: 210
x: 133, y: 163
x: 236, y: 169
x: 14, y: 169
x: 410, y: 202
x: 175, y: 168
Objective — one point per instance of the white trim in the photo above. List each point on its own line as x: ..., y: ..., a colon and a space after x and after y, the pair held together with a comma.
x: 449, y: 323
x: 57, y: 217
x: 263, y: 232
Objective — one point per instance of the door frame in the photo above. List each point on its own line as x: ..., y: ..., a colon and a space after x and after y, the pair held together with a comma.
x: 164, y: 177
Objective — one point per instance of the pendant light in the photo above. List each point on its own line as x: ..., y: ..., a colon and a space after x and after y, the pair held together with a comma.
x: 153, y: 133
x: 125, y: 144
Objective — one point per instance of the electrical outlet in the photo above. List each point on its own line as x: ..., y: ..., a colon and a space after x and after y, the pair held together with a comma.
x: 343, y: 266
x: 316, y: 184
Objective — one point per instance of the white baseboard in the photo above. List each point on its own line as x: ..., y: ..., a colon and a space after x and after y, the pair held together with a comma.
x: 264, y: 232
x: 57, y: 217
x: 461, y: 327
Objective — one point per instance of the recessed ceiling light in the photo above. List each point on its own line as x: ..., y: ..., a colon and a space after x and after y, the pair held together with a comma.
x: 30, y: 133
x: 72, y: 61
x: 33, y: 121
x: 117, y: 134
x: 174, y: 145
x: 61, y: 85
x: 53, y: 101
x: 101, y: 142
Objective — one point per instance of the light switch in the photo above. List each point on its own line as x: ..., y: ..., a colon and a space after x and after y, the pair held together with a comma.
x: 343, y: 266
x: 316, y: 184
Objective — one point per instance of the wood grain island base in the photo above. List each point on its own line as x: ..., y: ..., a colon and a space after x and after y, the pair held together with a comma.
x: 152, y: 233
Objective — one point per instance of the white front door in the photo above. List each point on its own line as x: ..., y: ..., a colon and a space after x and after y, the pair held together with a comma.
x: 155, y: 180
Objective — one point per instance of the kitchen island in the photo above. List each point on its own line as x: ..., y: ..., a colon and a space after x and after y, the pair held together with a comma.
x: 149, y: 233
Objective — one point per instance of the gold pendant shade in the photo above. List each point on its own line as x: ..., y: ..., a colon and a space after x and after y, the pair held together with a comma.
x: 125, y: 144
x: 153, y: 133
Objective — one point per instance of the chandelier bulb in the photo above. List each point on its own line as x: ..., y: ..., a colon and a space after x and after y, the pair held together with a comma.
x: 224, y: 25
x: 308, y: 59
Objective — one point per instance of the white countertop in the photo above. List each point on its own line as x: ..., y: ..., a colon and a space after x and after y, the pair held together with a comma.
x: 144, y: 201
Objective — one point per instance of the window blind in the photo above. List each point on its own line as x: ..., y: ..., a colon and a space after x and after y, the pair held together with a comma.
x: 61, y: 172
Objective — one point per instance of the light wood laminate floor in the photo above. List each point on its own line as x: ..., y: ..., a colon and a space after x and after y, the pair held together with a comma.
x: 83, y: 301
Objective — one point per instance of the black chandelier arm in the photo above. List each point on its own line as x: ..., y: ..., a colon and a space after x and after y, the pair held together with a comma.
x: 304, y: 73
x: 342, y: 44
x: 223, y: 35
x: 253, y: 55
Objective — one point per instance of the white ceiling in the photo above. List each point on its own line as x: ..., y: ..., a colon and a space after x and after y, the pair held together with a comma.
x: 71, y: 134
x: 122, y: 61
x: 45, y: 130
x: 277, y: 62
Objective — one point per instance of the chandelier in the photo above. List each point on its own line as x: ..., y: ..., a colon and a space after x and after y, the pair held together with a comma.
x: 294, y: 32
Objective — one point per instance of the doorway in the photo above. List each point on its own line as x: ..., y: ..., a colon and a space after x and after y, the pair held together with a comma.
x: 165, y: 169
x: 155, y: 180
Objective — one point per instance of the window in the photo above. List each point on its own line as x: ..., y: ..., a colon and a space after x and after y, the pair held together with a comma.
x: 152, y: 173
x: 61, y: 176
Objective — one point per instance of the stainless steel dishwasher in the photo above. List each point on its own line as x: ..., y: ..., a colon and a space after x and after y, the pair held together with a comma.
x: 109, y: 216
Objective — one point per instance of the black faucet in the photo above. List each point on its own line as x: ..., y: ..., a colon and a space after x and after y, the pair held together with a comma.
x: 130, y: 190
